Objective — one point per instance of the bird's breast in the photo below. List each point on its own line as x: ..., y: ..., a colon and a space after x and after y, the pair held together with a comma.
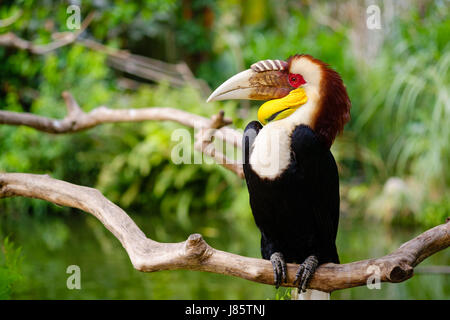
x: 271, y: 151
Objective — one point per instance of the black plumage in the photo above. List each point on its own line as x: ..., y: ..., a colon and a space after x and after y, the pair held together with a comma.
x: 297, y: 212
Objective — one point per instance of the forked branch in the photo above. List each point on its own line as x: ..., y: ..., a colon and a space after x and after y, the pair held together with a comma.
x: 78, y: 120
x: 148, y: 255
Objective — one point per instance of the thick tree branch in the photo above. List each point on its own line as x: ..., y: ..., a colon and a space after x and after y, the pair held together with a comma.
x: 77, y: 120
x: 195, y: 254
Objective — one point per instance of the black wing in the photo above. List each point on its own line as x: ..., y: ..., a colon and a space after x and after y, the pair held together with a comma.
x: 250, y: 133
x: 319, y: 169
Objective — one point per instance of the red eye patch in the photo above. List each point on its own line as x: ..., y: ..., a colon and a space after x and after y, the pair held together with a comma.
x: 296, y: 80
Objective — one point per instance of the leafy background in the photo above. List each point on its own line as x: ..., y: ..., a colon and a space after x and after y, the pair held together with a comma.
x: 393, y: 156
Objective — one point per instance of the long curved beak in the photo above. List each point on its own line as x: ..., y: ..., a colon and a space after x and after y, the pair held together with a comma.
x: 252, y: 85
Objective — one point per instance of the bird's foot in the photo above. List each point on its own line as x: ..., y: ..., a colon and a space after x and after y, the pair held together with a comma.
x: 305, y: 273
x: 279, y: 268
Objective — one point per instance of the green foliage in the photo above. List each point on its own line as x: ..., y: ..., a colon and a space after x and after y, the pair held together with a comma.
x: 284, y: 294
x: 435, y: 213
x: 413, y: 110
x: 10, y: 265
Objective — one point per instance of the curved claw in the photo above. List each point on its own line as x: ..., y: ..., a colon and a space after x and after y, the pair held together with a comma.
x: 298, y: 275
x: 279, y: 268
x: 305, y: 272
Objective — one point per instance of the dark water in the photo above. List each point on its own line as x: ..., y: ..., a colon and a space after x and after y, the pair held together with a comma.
x: 51, y: 245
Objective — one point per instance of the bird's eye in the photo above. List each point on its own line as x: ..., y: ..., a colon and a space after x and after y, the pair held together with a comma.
x: 296, y: 80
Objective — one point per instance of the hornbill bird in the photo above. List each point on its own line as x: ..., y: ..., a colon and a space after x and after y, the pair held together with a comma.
x: 291, y: 175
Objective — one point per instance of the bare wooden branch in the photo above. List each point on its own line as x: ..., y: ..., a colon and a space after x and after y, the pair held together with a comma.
x: 204, y: 143
x: 10, y: 20
x: 11, y: 40
x: 143, y: 67
x: 148, y: 255
x: 147, y: 68
x: 77, y: 120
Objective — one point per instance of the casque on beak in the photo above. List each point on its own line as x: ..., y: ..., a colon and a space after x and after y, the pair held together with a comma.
x: 252, y: 85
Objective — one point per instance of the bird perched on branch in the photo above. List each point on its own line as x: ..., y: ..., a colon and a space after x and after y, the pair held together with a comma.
x: 290, y: 172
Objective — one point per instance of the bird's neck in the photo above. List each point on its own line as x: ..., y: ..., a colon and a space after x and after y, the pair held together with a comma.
x: 271, y: 151
x: 304, y: 115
